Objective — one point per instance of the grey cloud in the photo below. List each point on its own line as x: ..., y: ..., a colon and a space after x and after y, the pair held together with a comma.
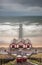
x: 28, y: 2
x: 25, y: 2
x: 20, y: 7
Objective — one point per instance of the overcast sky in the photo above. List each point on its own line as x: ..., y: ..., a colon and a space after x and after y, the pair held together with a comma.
x: 20, y: 7
x: 33, y: 28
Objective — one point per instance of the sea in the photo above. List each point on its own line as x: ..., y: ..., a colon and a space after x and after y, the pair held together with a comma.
x: 21, y: 19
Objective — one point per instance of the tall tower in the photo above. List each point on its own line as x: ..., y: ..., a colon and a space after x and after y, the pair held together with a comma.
x: 20, y: 31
